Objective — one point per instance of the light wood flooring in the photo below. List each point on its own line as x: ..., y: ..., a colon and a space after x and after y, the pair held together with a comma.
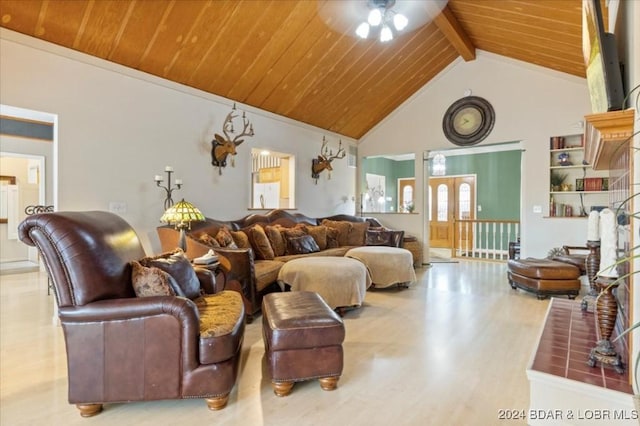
x: 450, y: 350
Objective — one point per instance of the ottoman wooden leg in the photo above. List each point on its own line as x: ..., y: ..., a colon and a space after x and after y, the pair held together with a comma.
x: 329, y: 383
x: 282, y: 388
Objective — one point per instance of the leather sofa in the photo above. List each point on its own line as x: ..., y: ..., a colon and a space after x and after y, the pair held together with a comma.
x: 254, y: 276
x: 121, y: 347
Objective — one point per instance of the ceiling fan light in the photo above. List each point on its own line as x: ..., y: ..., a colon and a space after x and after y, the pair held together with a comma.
x: 363, y: 30
x: 400, y: 21
x: 386, y: 34
x: 375, y: 17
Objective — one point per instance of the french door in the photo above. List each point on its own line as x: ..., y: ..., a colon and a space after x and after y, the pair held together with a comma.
x: 451, y: 199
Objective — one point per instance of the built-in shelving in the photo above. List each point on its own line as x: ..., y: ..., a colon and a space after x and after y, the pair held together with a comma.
x: 573, y: 198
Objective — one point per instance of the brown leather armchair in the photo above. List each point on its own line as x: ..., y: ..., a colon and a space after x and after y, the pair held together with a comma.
x: 123, y: 348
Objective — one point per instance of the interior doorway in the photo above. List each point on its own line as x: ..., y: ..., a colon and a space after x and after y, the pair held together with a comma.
x: 28, y: 146
x: 451, y: 199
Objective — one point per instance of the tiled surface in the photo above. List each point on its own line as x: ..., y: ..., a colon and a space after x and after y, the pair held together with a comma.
x: 565, y: 343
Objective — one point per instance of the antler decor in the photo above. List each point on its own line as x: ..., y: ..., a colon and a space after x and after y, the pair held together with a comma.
x: 323, y: 162
x: 223, y: 146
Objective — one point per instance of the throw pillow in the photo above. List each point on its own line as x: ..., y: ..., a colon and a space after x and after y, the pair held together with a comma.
x: 343, y: 227
x: 150, y: 281
x: 332, y: 238
x: 357, y: 233
x: 225, y: 238
x: 302, y: 245
x: 260, y: 243
x: 241, y: 239
x: 319, y: 234
x: 178, y: 266
x: 278, y: 244
x: 208, y: 240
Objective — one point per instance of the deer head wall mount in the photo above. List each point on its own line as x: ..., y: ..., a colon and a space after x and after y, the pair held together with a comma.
x: 323, y: 162
x: 223, y: 146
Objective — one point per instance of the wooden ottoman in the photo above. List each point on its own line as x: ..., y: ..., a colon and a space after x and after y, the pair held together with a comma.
x: 544, y: 277
x: 302, y: 340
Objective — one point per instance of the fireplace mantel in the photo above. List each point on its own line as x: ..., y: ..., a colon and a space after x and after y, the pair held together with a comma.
x: 605, y: 133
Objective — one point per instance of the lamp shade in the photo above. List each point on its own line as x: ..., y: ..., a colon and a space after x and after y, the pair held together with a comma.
x: 182, y: 213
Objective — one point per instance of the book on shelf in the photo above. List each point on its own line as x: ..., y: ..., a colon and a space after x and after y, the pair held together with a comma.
x: 594, y: 184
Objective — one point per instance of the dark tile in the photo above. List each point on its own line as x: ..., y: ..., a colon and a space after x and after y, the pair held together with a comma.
x: 550, y: 369
x: 591, y: 379
x: 619, y: 386
x: 548, y: 359
x: 582, y: 366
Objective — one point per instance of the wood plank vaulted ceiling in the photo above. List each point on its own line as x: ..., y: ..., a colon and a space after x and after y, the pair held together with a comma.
x: 282, y: 57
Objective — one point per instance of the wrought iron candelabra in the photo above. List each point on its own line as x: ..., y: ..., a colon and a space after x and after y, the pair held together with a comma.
x: 168, y: 202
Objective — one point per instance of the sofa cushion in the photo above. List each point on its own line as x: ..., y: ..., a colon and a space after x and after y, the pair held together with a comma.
x: 178, y: 266
x: 278, y: 244
x: 357, y: 233
x: 302, y: 245
x: 221, y: 318
x: 266, y: 273
x: 241, y: 239
x: 337, y: 252
x: 260, y: 243
x: 319, y: 234
x: 343, y: 228
x: 151, y: 281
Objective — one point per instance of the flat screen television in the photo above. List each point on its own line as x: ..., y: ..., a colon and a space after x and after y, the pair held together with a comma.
x: 604, y: 77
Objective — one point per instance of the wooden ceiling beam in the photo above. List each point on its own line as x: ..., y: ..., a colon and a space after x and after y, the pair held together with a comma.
x: 457, y: 36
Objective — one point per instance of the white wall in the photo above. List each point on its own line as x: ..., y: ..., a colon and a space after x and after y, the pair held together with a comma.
x: 531, y: 104
x: 118, y: 127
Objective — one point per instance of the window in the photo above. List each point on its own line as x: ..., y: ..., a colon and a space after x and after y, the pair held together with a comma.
x: 464, y: 203
x: 443, y: 202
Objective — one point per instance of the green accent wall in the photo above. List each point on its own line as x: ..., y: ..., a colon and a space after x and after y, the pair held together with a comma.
x: 392, y: 170
x: 497, y: 182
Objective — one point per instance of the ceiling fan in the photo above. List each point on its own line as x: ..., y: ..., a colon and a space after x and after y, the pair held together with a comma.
x: 381, y: 19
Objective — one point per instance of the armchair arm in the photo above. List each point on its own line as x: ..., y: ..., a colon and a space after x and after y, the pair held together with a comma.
x: 131, y: 308
x: 207, y: 280
x: 239, y: 266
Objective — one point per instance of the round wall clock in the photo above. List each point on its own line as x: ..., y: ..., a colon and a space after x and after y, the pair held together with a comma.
x: 468, y: 120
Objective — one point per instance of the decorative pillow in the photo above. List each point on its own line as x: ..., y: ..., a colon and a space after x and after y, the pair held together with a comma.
x: 302, y: 245
x: 278, y: 243
x: 343, y: 227
x: 319, y: 234
x: 260, y: 243
x: 225, y: 238
x: 208, y: 240
x: 241, y: 239
x: 150, y: 281
x: 178, y: 266
x: 332, y: 238
x: 357, y: 233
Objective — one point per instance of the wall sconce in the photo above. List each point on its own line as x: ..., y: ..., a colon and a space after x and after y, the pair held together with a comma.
x: 223, y: 146
x: 168, y: 202
x: 323, y: 162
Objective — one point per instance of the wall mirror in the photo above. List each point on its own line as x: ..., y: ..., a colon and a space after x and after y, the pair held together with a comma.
x: 272, y: 179
x: 388, y: 184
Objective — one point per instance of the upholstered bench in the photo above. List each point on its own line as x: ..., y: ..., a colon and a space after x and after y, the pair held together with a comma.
x: 387, y: 265
x: 303, y: 340
x: 544, y: 277
x: 342, y: 282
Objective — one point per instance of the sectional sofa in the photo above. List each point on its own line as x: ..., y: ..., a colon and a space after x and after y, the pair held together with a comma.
x: 255, y: 247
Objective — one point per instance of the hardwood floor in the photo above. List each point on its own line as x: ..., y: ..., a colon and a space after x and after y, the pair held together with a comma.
x: 450, y: 350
